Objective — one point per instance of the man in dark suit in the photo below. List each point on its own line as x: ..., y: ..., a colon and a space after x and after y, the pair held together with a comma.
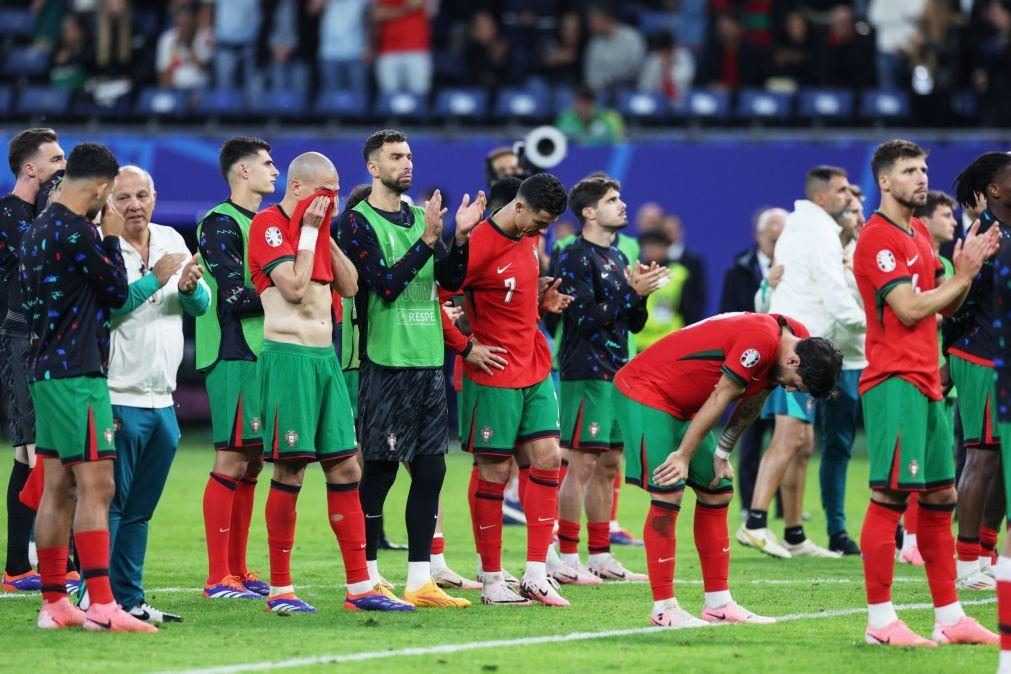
x: 693, y: 298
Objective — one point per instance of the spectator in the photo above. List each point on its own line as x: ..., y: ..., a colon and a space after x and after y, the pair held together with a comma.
x: 649, y: 218
x: 693, y: 304
x: 846, y: 58
x: 183, y: 52
x: 486, y: 56
x: 728, y: 61
x: 236, y: 28
x: 71, y: 61
x: 664, y: 306
x: 344, y: 52
x: 114, y: 39
x: 669, y: 68
x: 562, y: 56
x: 615, y: 51
x: 897, y: 37
x: 404, y: 50
x: 286, y: 67
x: 793, y: 60
x: 590, y: 123
x: 751, y: 266
x: 992, y: 73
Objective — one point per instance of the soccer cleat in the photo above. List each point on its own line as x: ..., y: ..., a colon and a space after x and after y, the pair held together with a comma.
x: 376, y: 600
x: 734, y: 613
x: 288, y: 603
x: 572, y: 574
x: 542, y: 590
x: 911, y: 556
x: 56, y: 615
x: 387, y: 544
x: 986, y: 568
x: 73, y: 582
x: 431, y: 595
x: 388, y: 593
x: 965, y: 631
x: 611, y: 569
x: 843, y: 544
x: 229, y: 587
x: 252, y: 583
x: 810, y: 549
x: 510, y: 580
x: 29, y: 581
x: 497, y: 592
x: 110, y: 617
x: 762, y: 540
x: 448, y: 578
x: 622, y: 536
x: 976, y: 580
x: 896, y: 633
x: 677, y: 618
x: 150, y: 614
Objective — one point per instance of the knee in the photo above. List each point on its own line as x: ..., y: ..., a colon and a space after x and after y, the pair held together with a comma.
x: 233, y: 464
x: 546, y: 456
x: 491, y: 470
x: 254, y: 466
x: 345, y: 471
x: 608, y: 465
x: 946, y: 496
x: 889, y: 497
x: 714, y: 499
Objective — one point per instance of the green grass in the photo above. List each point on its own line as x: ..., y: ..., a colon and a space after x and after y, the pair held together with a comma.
x: 229, y: 633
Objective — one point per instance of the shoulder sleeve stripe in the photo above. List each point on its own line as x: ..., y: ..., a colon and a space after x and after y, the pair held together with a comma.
x: 273, y: 264
x: 733, y: 375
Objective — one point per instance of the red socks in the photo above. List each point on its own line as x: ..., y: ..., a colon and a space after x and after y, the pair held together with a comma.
x: 967, y: 549
x: 93, y: 552
x: 242, y: 515
x: 472, y: 502
x: 568, y: 537
x: 53, y: 569
x: 600, y: 537
x: 541, y: 509
x: 712, y: 538
x: 438, y: 544
x: 617, y: 491
x: 281, y: 531
x: 912, y: 510
x: 988, y: 543
x: 218, y: 499
x: 936, y: 545
x: 488, y: 516
x: 1003, y: 572
x: 877, y: 541
x: 661, y: 543
x: 347, y: 520
x: 522, y: 479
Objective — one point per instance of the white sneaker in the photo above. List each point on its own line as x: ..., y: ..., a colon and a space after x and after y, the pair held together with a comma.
x: 810, y: 549
x: 762, y: 540
x: 572, y: 574
x: 448, y: 578
x: 976, y: 581
x: 542, y: 590
x: 611, y: 569
x: 677, y: 618
x: 986, y: 567
x: 495, y: 591
x: 149, y: 614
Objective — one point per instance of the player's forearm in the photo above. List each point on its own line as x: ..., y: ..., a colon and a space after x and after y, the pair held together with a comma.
x: 913, y: 307
x: 108, y: 272
x: 138, y: 292
x: 741, y: 418
x: 958, y: 302
x: 705, y: 421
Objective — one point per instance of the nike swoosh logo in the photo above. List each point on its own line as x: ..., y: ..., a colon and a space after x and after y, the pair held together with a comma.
x: 490, y: 526
x: 665, y: 559
x: 372, y: 517
x: 758, y: 542
x: 719, y: 616
x: 458, y: 583
x: 289, y: 549
x: 912, y: 261
x: 223, y: 531
x: 107, y: 625
x: 502, y: 269
x: 545, y: 519
x: 726, y: 549
x: 880, y: 641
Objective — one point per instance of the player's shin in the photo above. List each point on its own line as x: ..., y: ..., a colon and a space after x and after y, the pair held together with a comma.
x: 877, y: 541
x: 238, y: 535
x: 347, y: 521
x: 937, y: 546
x: 219, y: 495
x: 659, y: 536
x: 542, y: 510
x: 488, y: 508
x: 712, y: 539
x: 281, y: 516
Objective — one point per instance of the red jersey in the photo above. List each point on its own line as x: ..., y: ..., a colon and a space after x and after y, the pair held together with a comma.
x: 273, y: 239
x: 409, y: 32
x: 678, y: 373
x: 886, y: 256
x: 503, y: 307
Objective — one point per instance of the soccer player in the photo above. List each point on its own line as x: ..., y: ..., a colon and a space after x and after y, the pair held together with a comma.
x: 514, y: 409
x: 228, y: 340
x: 403, y: 412
x: 908, y: 434
x: 970, y: 345
x: 307, y: 413
x: 670, y: 397
x: 72, y: 279
x: 609, y: 303
x: 34, y: 156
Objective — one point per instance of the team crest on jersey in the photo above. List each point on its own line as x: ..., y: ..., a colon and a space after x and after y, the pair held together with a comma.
x: 914, y: 468
x: 254, y: 423
x: 750, y: 358
x: 487, y: 434
x: 273, y: 237
x: 594, y: 429
x: 885, y: 260
x: 391, y: 442
x: 291, y: 437
x: 109, y: 434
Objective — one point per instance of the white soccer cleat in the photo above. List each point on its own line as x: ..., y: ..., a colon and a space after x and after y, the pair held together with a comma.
x: 611, y: 569
x: 978, y: 581
x: 496, y: 592
x: 734, y: 613
x: 810, y: 549
x: 510, y: 580
x: 448, y: 578
x: 572, y: 574
x: 762, y: 540
x: 542, y: 590
x: 676, y: 618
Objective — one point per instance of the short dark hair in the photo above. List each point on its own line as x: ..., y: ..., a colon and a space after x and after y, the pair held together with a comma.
x: 974, y: 179
x: 357, y: 195
x: 935, y: 198
x: 653, y: 236
x: 503, y: 191
x: 380, y: 138
x: 500, y: 151
x: 588, y: 192
x: 817, y: 178
x: 820, y: 364
x: 25, y: 144
x: 91, y: 160
x: 891, y: 151
x: 238, y: 148
x: 543, y: 192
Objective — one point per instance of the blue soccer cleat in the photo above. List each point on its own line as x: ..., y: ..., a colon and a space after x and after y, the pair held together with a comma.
x: 288, y: 603
x: 73, y: 583
x: 376, y: 600
x: 622, y: 536
x: 254, y: 584
x: 229, y: 587
x: 30, y: 581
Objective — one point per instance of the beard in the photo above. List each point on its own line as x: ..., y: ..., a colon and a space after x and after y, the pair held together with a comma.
x: 912, y: 202
x: 398, y: 185
x: 617, y: 227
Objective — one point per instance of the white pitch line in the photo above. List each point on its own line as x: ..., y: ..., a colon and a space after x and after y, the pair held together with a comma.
x: 525, y: 641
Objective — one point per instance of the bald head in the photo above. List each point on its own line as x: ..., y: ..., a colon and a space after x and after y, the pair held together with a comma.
x: 135, y: 171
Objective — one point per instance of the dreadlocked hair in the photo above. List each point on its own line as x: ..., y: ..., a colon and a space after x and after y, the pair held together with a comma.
x: 973, y: 180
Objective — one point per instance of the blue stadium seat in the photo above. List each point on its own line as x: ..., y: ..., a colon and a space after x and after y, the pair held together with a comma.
x: 43, y: 100
x: 463, y: 104
x: 27, y: 62
x: 154, y: 102
x: 341, y: 105
x: 525, y: 104
x: 6, y: 101
x: 705, y: 105
x: 965, y: 104
x: 836, y: 104
x: 761, y: 105
x: 402, y: 105
x: 281, y: 103
x: 647, y: 106
x: 17, y: 22
x: 883, y: 104
x: 219, y: 103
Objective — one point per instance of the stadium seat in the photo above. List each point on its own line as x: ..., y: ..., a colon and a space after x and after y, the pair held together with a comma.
x: 6, y: 101
x: 17, y: 22
x: 340, y: 105
x: 43, y: 100
x: 462, y: 104
x: 282, y: 103
x: 647, y: 106
x: 402, y: 105
x: 704, y: 105
x: 882, y: 104
x: 224, y: 103
x: 155, y: 102
x: 521, y: 104
x: 766, y: 106
x: 835, y: 104
x: 28, y: 62
x: 965, y: 104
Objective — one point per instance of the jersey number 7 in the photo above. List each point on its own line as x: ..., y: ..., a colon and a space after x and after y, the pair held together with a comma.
x: 510, y: 284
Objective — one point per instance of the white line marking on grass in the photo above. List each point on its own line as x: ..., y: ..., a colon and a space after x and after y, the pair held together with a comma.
x: 524, y: 641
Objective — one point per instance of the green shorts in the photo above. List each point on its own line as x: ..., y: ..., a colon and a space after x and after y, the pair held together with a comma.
x: 588, y: 417
x: 650, y: 436
x: 306, y: 409
x: 976, y: 393
x: 1005, y: 431
x: 909, y: 438
x: 498, y: 420
x: 74, y: 419
x: 232, y: 387
x: 351, y: 384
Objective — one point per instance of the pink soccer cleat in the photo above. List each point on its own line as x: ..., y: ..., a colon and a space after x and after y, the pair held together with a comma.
x: 911, y: 556
x: 542, y: 590
x: 734, y: 613
x: 675, y: 617
x: 965, y: 631
x: 111, y: 618
x: 896, y: 633
x: 59, y: 614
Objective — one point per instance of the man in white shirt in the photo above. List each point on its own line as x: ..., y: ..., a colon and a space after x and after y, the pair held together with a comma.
x: 147, y: 348
x: 814, y: 291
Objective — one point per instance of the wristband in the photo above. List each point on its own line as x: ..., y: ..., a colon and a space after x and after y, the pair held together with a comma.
x: 721, y: 454
x: 467, y: 349
x: 307, y: 239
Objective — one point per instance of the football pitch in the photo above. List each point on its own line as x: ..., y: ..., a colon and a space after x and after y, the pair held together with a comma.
x: 819, y: 603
